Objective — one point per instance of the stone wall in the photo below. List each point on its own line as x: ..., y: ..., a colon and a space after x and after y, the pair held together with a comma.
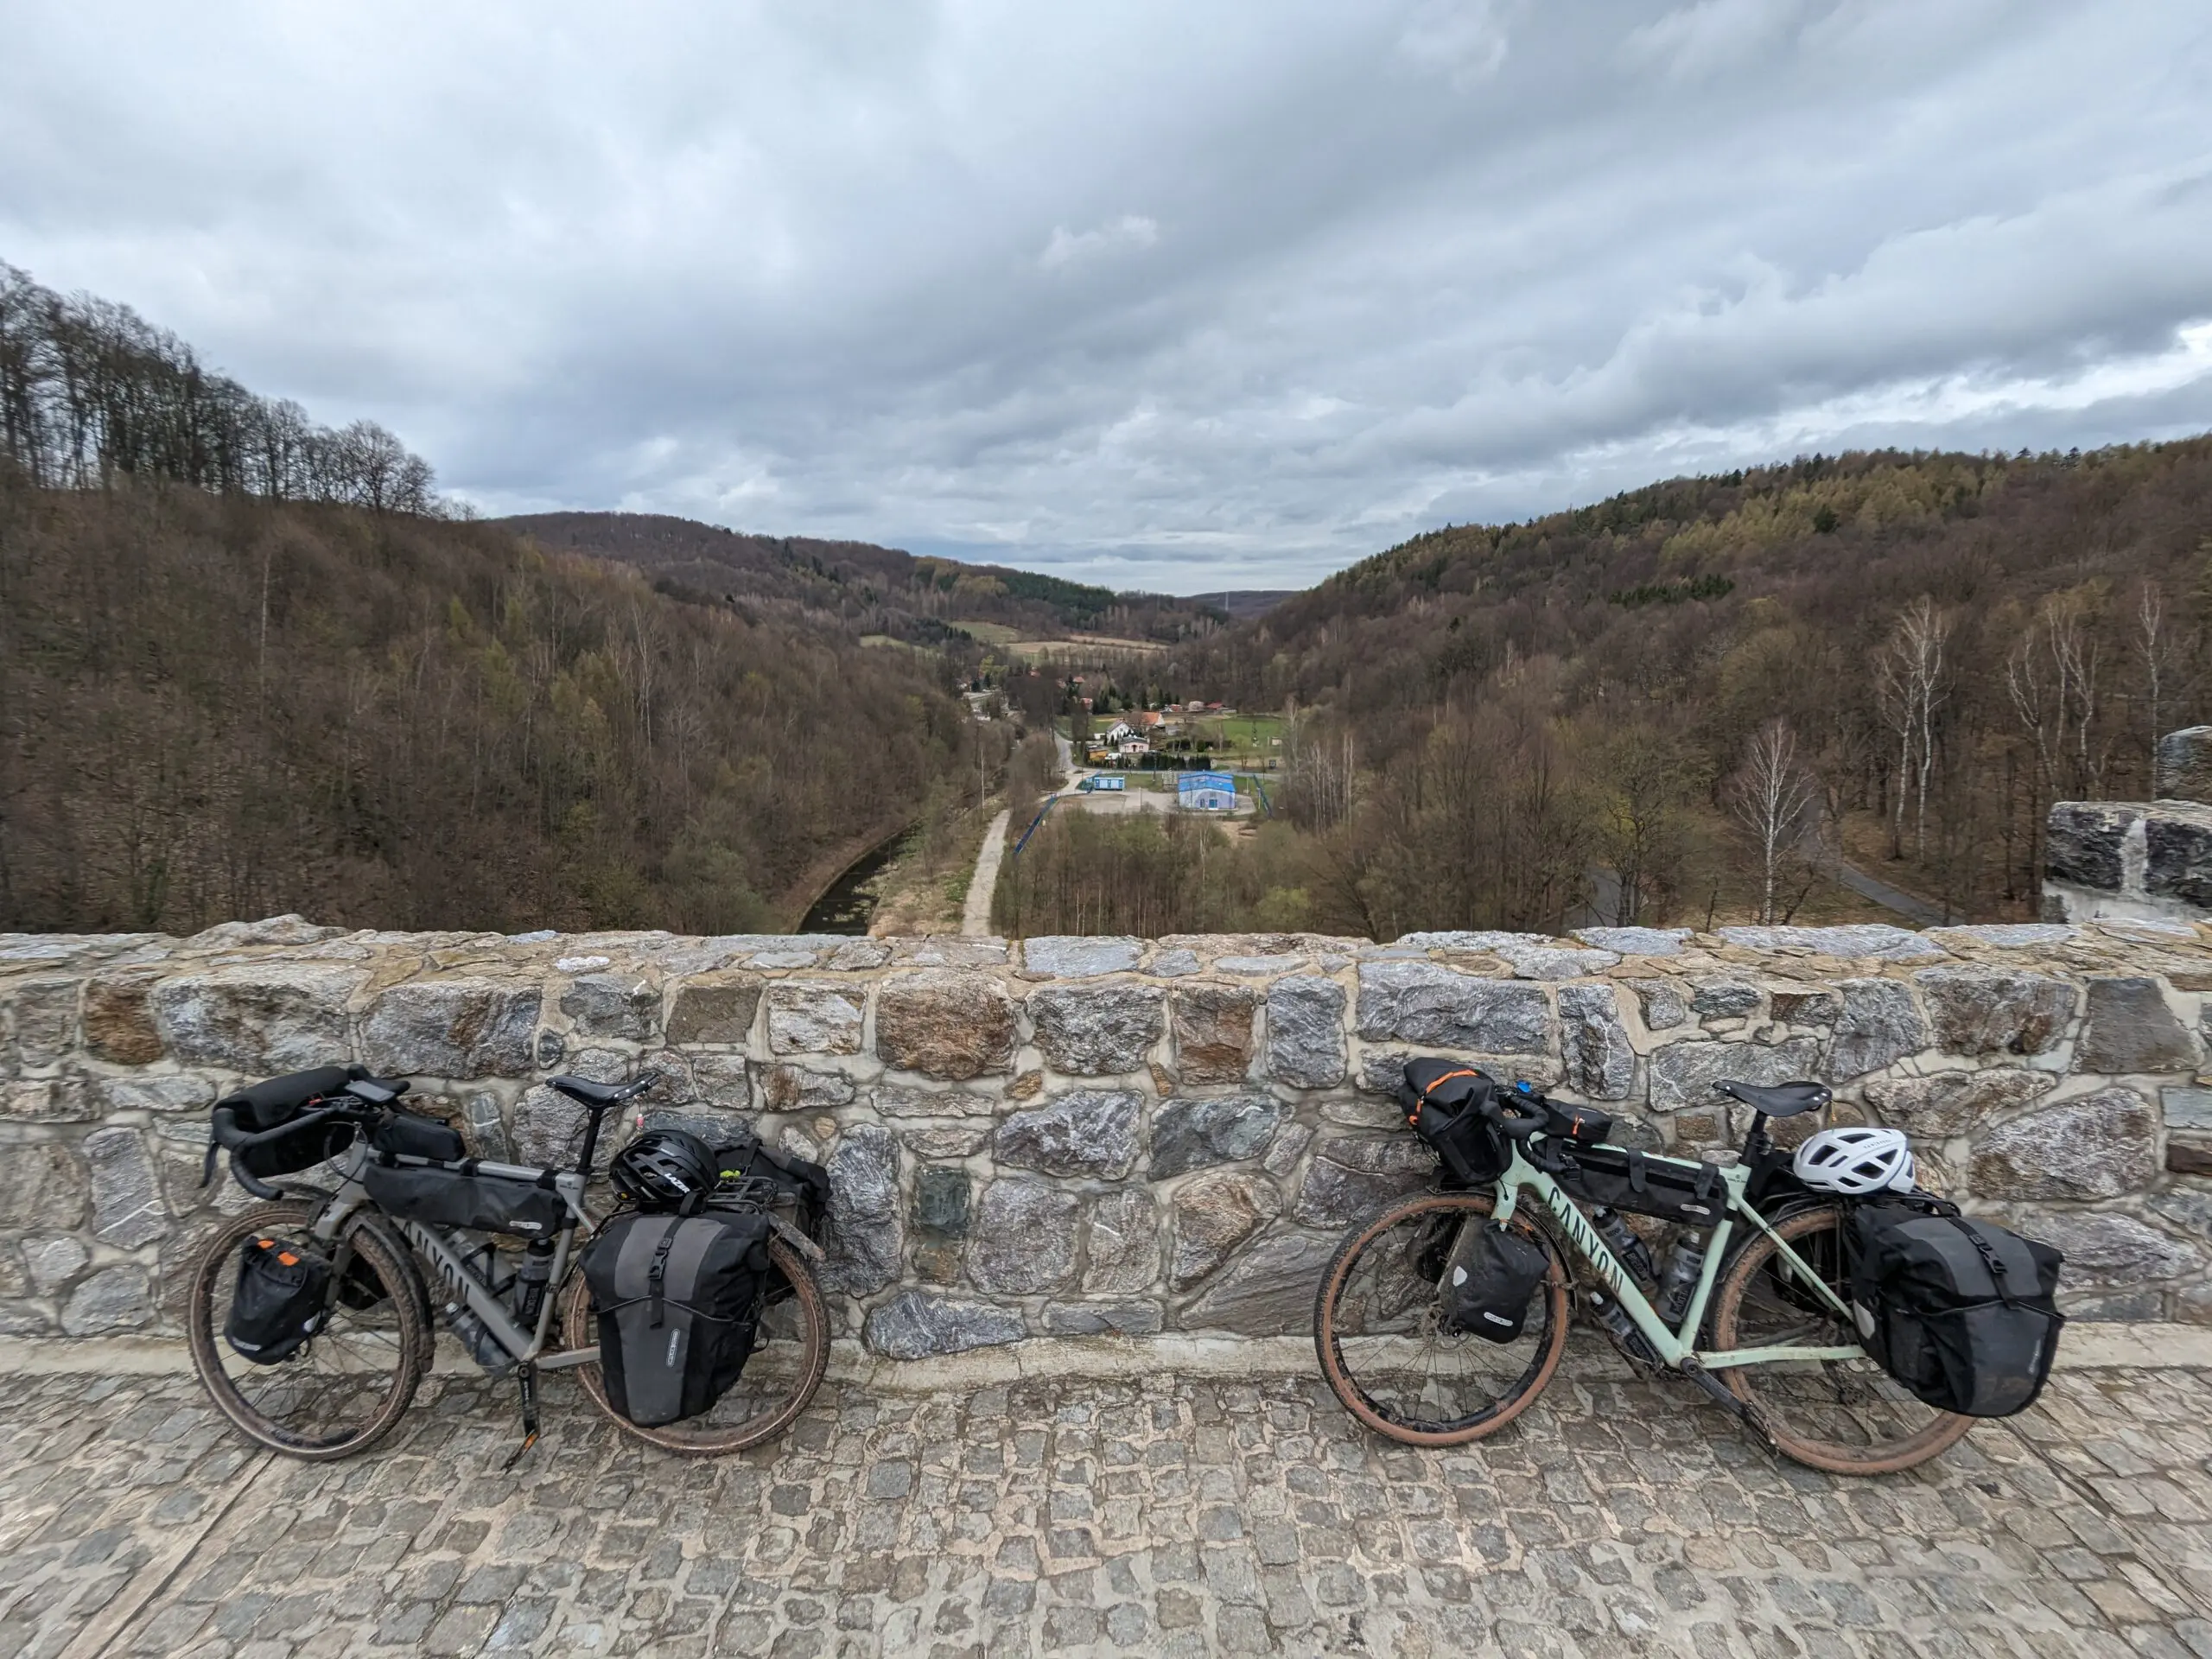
x: 2140, y: 860
x: 1078, y: 1137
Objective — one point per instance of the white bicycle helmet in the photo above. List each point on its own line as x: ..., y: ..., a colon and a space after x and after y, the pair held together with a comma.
x: 1855, y: 1161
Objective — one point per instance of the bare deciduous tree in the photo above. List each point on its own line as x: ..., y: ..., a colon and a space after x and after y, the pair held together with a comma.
x: 1909, y: 687
x: 1773, y: 796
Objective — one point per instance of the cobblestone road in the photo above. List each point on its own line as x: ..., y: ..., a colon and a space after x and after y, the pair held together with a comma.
x: 1172, y: 1516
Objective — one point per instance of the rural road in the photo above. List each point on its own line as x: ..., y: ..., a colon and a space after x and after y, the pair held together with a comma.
x: 975, y: 918
x: 1921, y: 913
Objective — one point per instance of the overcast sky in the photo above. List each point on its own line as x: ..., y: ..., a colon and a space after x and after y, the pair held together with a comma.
x: 1178, y: 295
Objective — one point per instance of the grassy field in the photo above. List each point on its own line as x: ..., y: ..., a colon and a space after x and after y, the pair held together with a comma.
x: 1086, y: 649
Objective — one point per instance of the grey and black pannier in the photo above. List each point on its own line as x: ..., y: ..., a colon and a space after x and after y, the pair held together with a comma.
x: 1959, y: 1311
x: 1490, y: 1279
x: 679, y: 1299
x: 465, y: 1198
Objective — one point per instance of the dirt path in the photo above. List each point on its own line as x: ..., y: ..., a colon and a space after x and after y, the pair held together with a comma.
x: 976, y: 919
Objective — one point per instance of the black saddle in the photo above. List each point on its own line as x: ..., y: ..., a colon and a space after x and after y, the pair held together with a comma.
x: 593, y: 1094
x: 1781, y: 1100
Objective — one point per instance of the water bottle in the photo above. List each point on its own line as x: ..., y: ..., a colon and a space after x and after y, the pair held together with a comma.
x: 1621, y: 1328
x: 528, y: 1292
x: 1630, y: 1250
x: 1684, y: 1268
x: 475, y: 1336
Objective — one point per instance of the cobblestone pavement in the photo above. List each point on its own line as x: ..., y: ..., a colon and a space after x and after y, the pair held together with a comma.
x: 1167, y: 1517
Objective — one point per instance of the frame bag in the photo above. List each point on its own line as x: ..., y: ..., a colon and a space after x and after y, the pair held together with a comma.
x: 679, y: 1299
x: 1959, y: 1311
x: 282, y: 1299
x: 1695, y: 1195
x: 1441, y: 1100
x: 462, y: 1198
x: 1489, y: 1280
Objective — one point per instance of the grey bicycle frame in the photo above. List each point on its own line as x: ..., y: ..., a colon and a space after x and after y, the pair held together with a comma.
x: 1676, y: 1351
x: 526, y: 1347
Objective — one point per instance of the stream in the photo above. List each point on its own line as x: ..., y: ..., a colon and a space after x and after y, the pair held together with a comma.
x: 848, y: 905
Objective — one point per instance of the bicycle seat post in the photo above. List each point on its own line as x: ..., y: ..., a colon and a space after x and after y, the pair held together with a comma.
x: 1757, y: 1142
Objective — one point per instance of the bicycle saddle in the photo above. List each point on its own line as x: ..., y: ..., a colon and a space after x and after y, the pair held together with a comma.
x: 593, y: 1094
x: 1781, y: 1100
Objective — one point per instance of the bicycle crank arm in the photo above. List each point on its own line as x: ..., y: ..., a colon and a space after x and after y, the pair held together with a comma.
x: 1720, y: 1394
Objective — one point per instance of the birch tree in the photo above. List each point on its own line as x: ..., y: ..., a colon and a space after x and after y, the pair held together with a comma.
x: 1773, y: 796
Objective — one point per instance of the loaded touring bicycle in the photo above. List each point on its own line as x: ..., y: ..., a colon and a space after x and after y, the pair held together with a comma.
x: 1858, y: 1323
x: 689, y: 1312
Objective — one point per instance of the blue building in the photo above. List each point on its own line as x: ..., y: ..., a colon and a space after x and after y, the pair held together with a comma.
x: 1205, y: 791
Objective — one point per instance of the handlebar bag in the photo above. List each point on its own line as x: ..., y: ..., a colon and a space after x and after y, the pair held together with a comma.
x: 298, y: 1149
x: 679, y: 1303
x: 1960, y: 1312
x: 465, y: 1199
x: 1694, y: 1195
x: 282, y: 1299
x: 1490, y: 1279
x: 1443, y: 1101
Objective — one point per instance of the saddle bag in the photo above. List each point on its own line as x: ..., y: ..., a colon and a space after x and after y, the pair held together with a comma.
x: 1959, y: 1311
x: 280, y: 1300
x: 1695, y: 1195
x: 440, y: 1196
x: 1489, y: 1280
x: 1440, y: 1099
x: 678, y: 1302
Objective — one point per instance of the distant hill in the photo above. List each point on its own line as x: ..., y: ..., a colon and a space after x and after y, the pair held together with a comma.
x: 1243, y: 604
x: 873, y: 590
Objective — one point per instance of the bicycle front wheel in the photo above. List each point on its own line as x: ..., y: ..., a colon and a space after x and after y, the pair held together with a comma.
x: 789, y: 1354
x: 345, y: 1389
x: 1391, y: 1355
x: 1848, y: 1416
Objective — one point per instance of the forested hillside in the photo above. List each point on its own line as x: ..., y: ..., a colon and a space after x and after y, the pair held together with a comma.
x: 870, y: 589
x: 1898, y: 658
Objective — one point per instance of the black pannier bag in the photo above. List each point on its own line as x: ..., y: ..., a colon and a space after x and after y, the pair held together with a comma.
x: 801, y: 1187
x: 419, y: 1137
x: 1489, y: 1280
x: 1695, y: 1195
x: 282, y: 1299
x: 1958, y: 1310
x: 1441, y: 1100
x: 451, y: 1197
x: 679, y: 1299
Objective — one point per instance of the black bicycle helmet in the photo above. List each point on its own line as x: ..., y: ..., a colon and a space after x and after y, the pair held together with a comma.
x: 663, y: 1170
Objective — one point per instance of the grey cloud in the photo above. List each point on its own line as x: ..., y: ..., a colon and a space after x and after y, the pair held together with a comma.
x: 1181, y: 295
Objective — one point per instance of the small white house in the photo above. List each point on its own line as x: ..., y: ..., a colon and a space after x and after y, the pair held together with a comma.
x: 1117, y: 732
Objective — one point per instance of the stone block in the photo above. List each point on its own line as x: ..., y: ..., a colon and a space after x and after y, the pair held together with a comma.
x: 2186, y: 1156
x: 2189, y: 1208
x: 891, y: 1101
x: 801, y: 1089
x: 39, y: 1017
x: 118, y: 1024
x: 1438, y: 1006
x: 945, y: 1140
x: 47, y: 1100
x: 1088, y: 1132
x: 813, y: 1018
x: 114, y: 1299
x: 1555, y: 962
x: 2131, y: 1029
x: 53, y: 1260
x: 1305, y: 1032
x: 1352, y: 1176
x: 863, y: 1237
x: 1951, y: 1103
x: 945, y: 1025
x: 943, y: 1198
x: 1683, y: 1073
x: 1804, y: 1005
x: 2084, y: 842
x: 2187, y: 1106
x: 2177, y: 854
x: 1188, y: 1134
x: 41, y: 1184
x: 1213, y: 1031
x: 2182, y: 765
x: 1213, y: 1214
x: 126, y: 1193
x: 1661, y: 1003
x: 1098, y: 1031
x: 2111, y: 1250
x: 2096, y: 1146
x: 1600, y: 1063
x: 620, y: 1007
x: 915, y: 1325
x: 1102, y: 1318
x: 1023, y: 1239
x: 1976, y: 1010
x: 1121, y: 1244
x: 714, y: 1011
x: 1267, y: 1292
x: 1635, y: 941
x: 1725, y: 999
x: 487, y: 1129
x: 168, y: 1096
x: 1880, y: 1024
x: 1080, y: 957
x: 261, y: 1018
x: 452, y: 1028
x: 1875, y: 939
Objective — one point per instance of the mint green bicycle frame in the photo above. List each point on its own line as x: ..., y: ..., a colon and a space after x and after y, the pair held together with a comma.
x: 1677, y: 1352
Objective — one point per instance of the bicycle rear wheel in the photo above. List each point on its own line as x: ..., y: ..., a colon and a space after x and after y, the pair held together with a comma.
x: 1390, y: 1355
x: 1848, y: 1416
x: 789, y: 1356
x: 345, y: 1389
